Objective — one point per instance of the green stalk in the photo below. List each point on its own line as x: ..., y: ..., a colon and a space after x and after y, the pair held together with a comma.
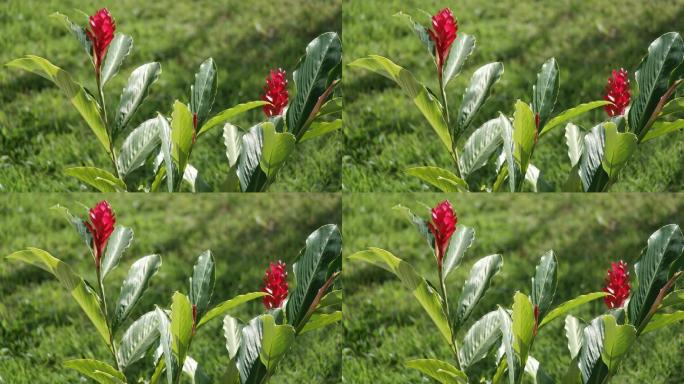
x: 445, y: 115
x: 103, y: 114
x: 103, y: 308
x: 442, y: 284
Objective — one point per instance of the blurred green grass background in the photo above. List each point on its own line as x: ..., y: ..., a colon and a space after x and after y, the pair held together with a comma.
x: 41, y: 326
x: 385, y: 133
x: 41, y: 134
x: 385, y: 326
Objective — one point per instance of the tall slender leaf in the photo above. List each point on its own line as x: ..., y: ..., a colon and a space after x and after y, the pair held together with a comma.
x: 575, y: 142
x: 569, y: 305
x: 203, y: 92
x: 250, y: 175
x: 420, y: 31
x: 513, y: 364
x: 590, y: 170
x: 202, y: 282
x: 544, y: 283
x: 571, y: 113
x: 78, y: 32
x: 523, y: 325
x: 166, y: 150
x: 545, y: 92
x: 509, y: 152
x: 182, y: 134
x: 181, y: 325
x: 524, y: 134
x: 172, y: 366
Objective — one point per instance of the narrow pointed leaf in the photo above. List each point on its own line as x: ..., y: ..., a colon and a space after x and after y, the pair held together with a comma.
x: 171, y: 365
x: 475, y: 287
x: 662, y: 128
x: 544, y: 283
x: 249, y: 365
x: 166, y: 150
x: 77, y: 223
x: 249, y: 173
x: 227, y: 305
x: 228, y: 114
x: 575, y: 141
x: 571, y: 113
x: 524, y: 134
x: 76, y: 30
x: 97, y: 370
x: 439, y: 178
x: 590, y: 169
x: 134, y: 285
x: 420, y: 31
x: 117, y: 51
x: 321, y: 128
x: 545, y: 92
x: 118, y: 242
x: 570, y: 305
x: 459, y: 243
x: 459, y: 52
x: 660, y: 320
x: 182, y: 133
x: 509, y: 152
x: 592, y: 368
x: 97, y: 178
x: 321, y: 320
x: 135, y: 92
x: 181, y: 325
x: 523, y: 325
x: 232, y: 139
x: 420, y: 224
x: 203, y: 92
x: 439, y: 370
x: 202, y: 282
x: 512, y: 361
x: 477, y: 93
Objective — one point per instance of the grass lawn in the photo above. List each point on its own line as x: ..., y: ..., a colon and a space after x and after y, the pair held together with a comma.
x: 41, y: 134
x: 385, y: 326
x: 385, y: 133
x: 41, y: 326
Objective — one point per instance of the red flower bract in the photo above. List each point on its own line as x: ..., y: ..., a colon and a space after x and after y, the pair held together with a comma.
x: 100, y: 225
x: 617, y: 92
x: 617, y: 285
x: 275, y: 284
x: 275, y: 92
x: 442, y: 225
x: 100, y: 32
x: 443, y: 34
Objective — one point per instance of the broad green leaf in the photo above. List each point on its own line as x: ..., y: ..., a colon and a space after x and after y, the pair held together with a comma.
x: 673, y: 298
x: 195, y: 372
x: 320, y: 128
x: 77, y: 222
x: 118, y: 242
x: 523, y: 325
x: 276, y: 149
x: 480, y: 339
x: 323, y: 55
x: 480, y: 146
x: 459, y: 243
x: 276, y: 341
x: 232, y: 331
x: 252, y: 178
x: 231, y: 374
x: 617, y: 340
x: 661, y: 128
x: 439, y: 370
x: 203, y: 92
x: 570, y: 305
x: 428, y: 298
x: 97, y: 178
x: 420, y: 31
x: 544, y: 283
x: 619, y: 148
x: 572, y: 113
x: 524, y: 134
x: 135, y: 92
x: 675, y: 106
x: 440, y: 178
x: 332, y: 299
x: 512, y: 360
x: 232, y: 139
x: 249, y: 365
x: 97, y: 370
x: 459, y: 52
x: 513, y: 172
x: 475, y: 287
x: 477, y: 93
x: 227, y: 305
x: 590, y: 170
x: 182, y: 134
x: 660, y: 320
x: 138, y: 339
x: 545, y: 92
x: 574, y: 329
x: 323, y: 247
x: 228, y: 114
x: 422, y: 226
x: 426, y: 102
x: 138, y: 146
x: 117, y: 51
x: 652, y: 77
x: 202, y: 282
x: 76, y: 30
x: 81, y: 100
x: 538, y: 375
x: 134, y: 285
x: 181, y: 325
x: 652, y: 271
x: 575, y: 142
x: 166, y: 150
x: 166, y: 342
x: 321, y: 320
x: 591, y: 366
x: 535, y: 177
x: 332, y: 106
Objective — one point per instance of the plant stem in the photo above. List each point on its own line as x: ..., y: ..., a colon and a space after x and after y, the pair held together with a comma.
x: 100, y: 285
x: 442, y: 285
x: 445, y: 115
x: 103, y: 115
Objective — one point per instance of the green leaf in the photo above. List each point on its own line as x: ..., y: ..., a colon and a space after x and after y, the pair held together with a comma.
x: 575, y: 142
x: 570, y: 305
x: 97, y: 370
x: 664, y: 247
x: 320, y: 128
x: 617, y: 341
x: 166, y: 150
x: 232, y: 331
x: 97, y: 178
x: 439, y: 370
x: 523, y: 325
x: 166, y: 342
x: 420, y: 31
x: 652, y: 77
x: 232, y: 139
x: 138, y: 339
x: 460, y: 50
x: 428, y: 298
x: 276, y: 149
x: 538, y: 375
x: 661, y: 128
x: 76, y: 30
x: 512, y: 361
x: 660, y: 320
x: 572, y: 113
x: 81, y: 100
x: 591, y: 366
x: 673, y: 298
x: 440, y: 178
x: 117, y: 51
x: 574, y: 329
x: 459, y: 243
x: 545, y: 92
x: 134, y: 285
x: 251, y: 177
x: 509, y: 152
x: 323, y: 54
x: 332, y: 299
x: 524, y: 134
x: 674, y: 106
x: 202, y: 282
x: 249, y: 365
x: 619, y: 148
x: 118, y: 242
x: 323, y: 247
x: 421, y: 225
x: 182, y: 133
x: 195, y: 372
x: 135, y: 92
x: 321, y: 320
x: 480, y: 339
x: 77, y: 222
x: 590, y: 169
x: 475, y: 287
x: 477, y: 93
x: 480, y: 146
x: 227, y: 305
x: 202, y: 94
x: 276, y: 341
x: 181, y: 325
x: 544, y: 283
x: 426, y: 102
x: 228, y: 114
x: 138, y: 146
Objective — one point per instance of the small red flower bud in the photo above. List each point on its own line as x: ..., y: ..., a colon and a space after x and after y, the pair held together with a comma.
x: 443, y: 34
x: 275, y: 92
x: 617, y: 92
x: 275, y: 285
x: 100, y: 33
x: 442, y: 225
x: 100, y: 225
x: 617, y: 285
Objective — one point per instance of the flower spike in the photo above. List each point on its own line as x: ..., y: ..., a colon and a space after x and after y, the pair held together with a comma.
x: 275, y: 284
x: 617, y: 92
x: 617, y: 285
x: 275, y: 92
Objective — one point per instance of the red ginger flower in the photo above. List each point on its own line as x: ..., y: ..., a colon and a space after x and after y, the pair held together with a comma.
x: 443, y: 34
x: 100, y: 33
x: 100, y: 226
x: 442, y: 226
x: 275, y: 92
x: 275, y: 284
x: 617, y: 92
x: 617, y: 285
